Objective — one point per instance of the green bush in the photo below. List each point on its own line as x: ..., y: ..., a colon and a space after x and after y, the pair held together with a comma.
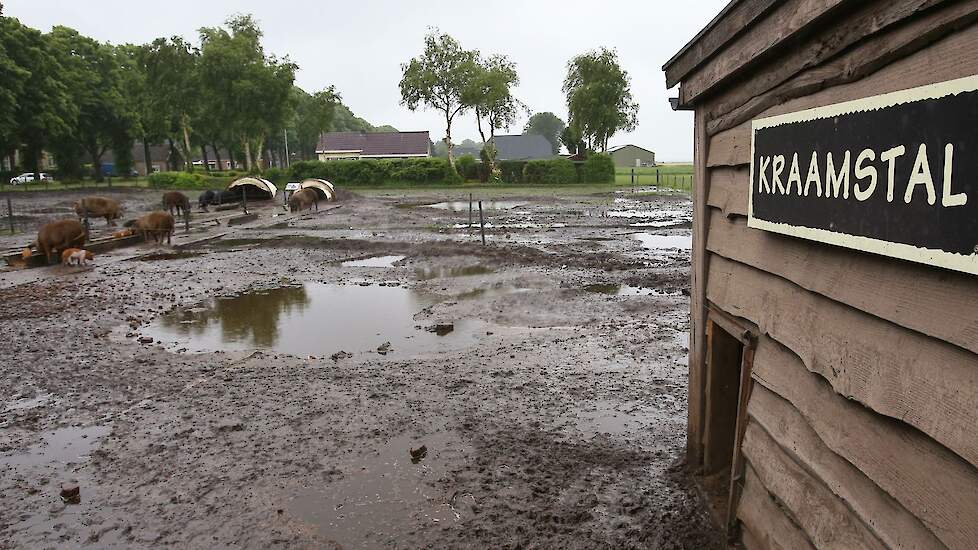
x: 177, y: 180
x: 511, y: 171
x: 552, y: 171
x: 598, y: 168
x: 275, y: 175
x: 467, y: 167
x: 376, y: 171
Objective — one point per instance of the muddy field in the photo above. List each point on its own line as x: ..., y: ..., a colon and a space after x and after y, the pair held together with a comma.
x: 366, y: 377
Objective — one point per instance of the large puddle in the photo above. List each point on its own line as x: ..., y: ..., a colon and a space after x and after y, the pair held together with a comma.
x: 313, y: 319
x: 661, y: 242
x: 60, y: 447
x: 375, y: 261
x: 385, y: 494
x: 460, y: 206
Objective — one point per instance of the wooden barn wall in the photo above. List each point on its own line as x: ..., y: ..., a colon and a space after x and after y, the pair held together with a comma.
x: 863, y: 424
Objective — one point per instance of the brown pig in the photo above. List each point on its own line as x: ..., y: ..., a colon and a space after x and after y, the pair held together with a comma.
x: 99, y: 207
x: 57, y: 236
x: 303, y: 199
x: 176, y: 201
x: 158, y: 224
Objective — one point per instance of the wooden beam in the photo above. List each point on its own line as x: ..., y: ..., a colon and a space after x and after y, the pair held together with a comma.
x: 746, y: 386
x: 924, y: 382
x: 782, y: 25
x: 766, y: 520
x: 886, y: 517
x: 729, y: 188
x: 697, y: 337
x: 927, y: 479
x: 870, y: 21
x: 819, y: 512
x: 934, y: 302
x: 733, y: 20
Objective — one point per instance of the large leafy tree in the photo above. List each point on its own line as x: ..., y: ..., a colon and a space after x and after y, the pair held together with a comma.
x: 313, y: 115
x: 106, y: 116
x: 247, y: 90
x: 439, y: 79
x: 173, y: 84
x: 547, y: 125
x: 36, y: 106
x: 153, y: 120
x: 490, y: 94
x: 599, y: 97
x: 571, y: 138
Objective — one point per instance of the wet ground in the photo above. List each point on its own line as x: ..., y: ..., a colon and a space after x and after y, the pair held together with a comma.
x: 365, y: 377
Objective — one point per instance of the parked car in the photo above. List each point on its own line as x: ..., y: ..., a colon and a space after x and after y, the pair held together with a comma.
x: 28, y: 177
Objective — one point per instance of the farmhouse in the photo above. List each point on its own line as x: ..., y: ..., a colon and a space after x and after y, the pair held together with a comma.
x: 833, y: 368
x: 522, y: 147
x: 631, y: 156
x: 373, y: 145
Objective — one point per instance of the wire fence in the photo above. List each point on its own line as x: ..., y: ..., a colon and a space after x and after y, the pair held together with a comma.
x: 644, y: 177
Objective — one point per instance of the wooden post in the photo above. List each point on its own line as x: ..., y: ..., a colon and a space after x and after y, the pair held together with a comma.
x: 633, y: 177
x: 244, y: 200
x: 10, y: 214
x: 697, y: 340
x: 482, y: 225
x: 186, y: 220
x: 470, y: 211
x: 656, y: 175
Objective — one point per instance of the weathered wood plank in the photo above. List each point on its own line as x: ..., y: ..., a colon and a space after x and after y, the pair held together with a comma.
x: 819, y: 512
x: 728, y: 190
x: 928, y: 480
x: 697, y: 301
x: 729, y: 23
x: 749, y: 541
x: 782, y: 24
x: 925, y: 382
x: 891, y: 522
x: 729, y: 148
x: 881, y: 28
x: 949, y: 58
x: 766, y: 520
x: 905, y: 293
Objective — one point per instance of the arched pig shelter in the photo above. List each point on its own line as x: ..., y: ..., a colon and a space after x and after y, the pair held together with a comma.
x: 256, y: 189
x: 323, y: 188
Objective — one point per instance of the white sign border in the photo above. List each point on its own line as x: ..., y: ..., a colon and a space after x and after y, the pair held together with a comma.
x: 928, y: 256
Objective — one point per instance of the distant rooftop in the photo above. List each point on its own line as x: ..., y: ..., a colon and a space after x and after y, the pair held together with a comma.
x: 381, y: 144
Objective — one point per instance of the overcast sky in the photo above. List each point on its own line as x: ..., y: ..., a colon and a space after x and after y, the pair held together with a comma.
x: 360, y: 46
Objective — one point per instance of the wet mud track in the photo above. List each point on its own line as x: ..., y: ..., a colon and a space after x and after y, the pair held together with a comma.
x: 256, y: 392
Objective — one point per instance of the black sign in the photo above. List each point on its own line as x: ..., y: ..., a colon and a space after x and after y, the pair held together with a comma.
x: 895, y: 174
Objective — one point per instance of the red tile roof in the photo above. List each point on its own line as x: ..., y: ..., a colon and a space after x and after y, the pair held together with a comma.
x: 389, y: 144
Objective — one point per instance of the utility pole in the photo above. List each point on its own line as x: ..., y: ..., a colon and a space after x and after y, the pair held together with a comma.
x: 287, y: 161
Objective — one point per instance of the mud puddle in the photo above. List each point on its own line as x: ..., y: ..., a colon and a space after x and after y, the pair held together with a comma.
x: 313, y: 319
x: 384, y: 494
x: 374, y: 261
x: 167, y: 256
x: 441, y: 272
x: 614, y: 289
x: 459, y: 206
x: 662, y: 242
x: 60, y: 447
x: 614, y: 418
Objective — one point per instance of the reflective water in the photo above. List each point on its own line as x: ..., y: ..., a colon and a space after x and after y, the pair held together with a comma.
x: 384, y: 493
x: 375, y: 261
x: 311, y: 319
x: 438, y: 272
x: 460, y: 206
x: 59, y: 447
x: 658, y: 242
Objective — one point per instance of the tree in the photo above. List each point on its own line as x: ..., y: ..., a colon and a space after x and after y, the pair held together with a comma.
x: 547, y: 125
x: 134, y: 61
x: 41, y: 108
x: 106, y: 117
x: 572, y: 140
x: 599, y: 97
x: 313, y: 115
x: 251, y: 93
x: 438, y: 79
x: 173, y: 83
x: 490, y: 94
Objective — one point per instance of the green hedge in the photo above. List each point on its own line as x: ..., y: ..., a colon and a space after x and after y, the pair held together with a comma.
x: 467, y: 167
x: 552, y: 171
x: 511, y: 171
x: 598, y: 168
x: 177, y: 180
x: 275, y: 175
x: 373, y: 172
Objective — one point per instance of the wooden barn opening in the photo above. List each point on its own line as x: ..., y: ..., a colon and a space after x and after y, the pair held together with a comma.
x: 727, y: 384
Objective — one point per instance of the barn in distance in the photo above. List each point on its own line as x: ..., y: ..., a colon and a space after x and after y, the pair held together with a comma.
x: 833, y: 383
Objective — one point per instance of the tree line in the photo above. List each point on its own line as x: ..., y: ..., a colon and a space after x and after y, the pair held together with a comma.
x: 77, y: 98
x: 452, y: 80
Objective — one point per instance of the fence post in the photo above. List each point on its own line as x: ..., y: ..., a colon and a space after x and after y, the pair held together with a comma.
x: 482, y: 225
x: 10, y: 214
x: 633, y: 176
x: 656, y: 176
x: 244, y: 200
x: 470, y: 211
x: 186, y: 220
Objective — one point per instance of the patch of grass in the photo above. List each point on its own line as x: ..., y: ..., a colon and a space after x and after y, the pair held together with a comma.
x: 675, y: 176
